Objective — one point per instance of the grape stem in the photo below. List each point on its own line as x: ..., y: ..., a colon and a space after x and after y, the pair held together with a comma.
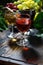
x: 11, y: 10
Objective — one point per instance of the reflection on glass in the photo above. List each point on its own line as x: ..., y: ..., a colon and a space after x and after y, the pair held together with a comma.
x: 23, y: 24
x: 10, y: 19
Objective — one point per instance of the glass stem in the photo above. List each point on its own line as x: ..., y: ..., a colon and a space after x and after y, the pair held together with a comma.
x: 23, y: 38
x: 12, y: 30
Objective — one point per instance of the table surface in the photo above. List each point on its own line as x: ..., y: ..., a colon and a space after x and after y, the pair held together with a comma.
x: 13, y: 53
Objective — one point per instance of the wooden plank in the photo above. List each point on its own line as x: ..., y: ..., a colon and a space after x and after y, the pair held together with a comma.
x: 7, y: 63
x: 14, y: 52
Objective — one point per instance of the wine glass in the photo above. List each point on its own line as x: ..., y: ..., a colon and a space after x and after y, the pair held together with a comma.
x: 23, y: 24
x: 10, y: 19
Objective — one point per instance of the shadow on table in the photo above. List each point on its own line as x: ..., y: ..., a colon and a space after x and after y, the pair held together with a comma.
x: 35, y: 41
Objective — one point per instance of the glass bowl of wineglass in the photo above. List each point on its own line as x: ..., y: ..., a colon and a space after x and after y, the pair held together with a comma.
x: 10, y: 19
x: 23, y: 24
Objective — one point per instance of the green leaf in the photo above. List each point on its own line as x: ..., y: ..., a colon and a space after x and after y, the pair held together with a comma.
x: 3, y: 23
x: 38, y: 22
x: 37, y: 1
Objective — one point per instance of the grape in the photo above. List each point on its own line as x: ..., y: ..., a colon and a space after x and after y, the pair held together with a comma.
x: 25, y: 0
x: 15, y: 7
x: 12, y: 6
x: 32, y: 2
x: 18, y: 2
x: 24, y: 3
x: 37, y: 8
x: 20, y: 6
x: 27, y: 4
x: 21, y: 0
x: 25, y: 8
x: 36, y: 4
x: 8, y: 5
x: 15, y: 2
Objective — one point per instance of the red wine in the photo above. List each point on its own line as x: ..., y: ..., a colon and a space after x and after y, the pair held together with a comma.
x: 23, y: 24
x: 30, y: 55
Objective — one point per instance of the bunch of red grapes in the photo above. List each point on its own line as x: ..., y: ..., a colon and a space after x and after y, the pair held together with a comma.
x: 12, y: 6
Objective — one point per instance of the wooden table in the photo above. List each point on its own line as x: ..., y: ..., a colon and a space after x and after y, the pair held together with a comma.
x: 12, y: 54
